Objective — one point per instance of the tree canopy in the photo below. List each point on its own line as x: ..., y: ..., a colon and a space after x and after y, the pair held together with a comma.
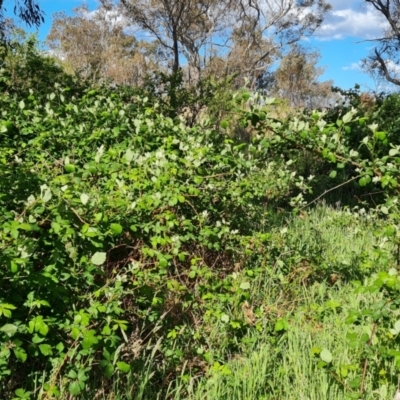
x: 244, y: 36
x: 27, y: 10
x: 385, y: 56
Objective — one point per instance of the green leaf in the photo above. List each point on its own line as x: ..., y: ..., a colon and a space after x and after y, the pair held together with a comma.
x: 396, y: 329
x: 45, y: 193
x: 364, y: 181
x: 5, y: 309
x: 380, y: 135
x: 99, y: 258
x: 129, y: 155
x: 84, y: 198
x: 225, y: 318
x: 116, y: 228
x: 22, y: 394
x: 37, y: 339
x: 38, y: 325
x: 123, y: 366
x: 106, y: 330
x: 56, y: 227
x: 108, y: 370
x: 69, y: 168
x: 333, y: 174
x: 385, y: 210
x: 355, y: 383
x: 74, y: 388
x: 326, y: 356
x: 60, y: 347
x: 348, y: 117
x: 75, y: 333
x: 89, y: 339
x: 281, y: 325
x: 9, y: 329
x: 72, y: 374
x: 393, y: 152
x: 20, y: 354
x: 163, y: 263
x: 245, y: 286
x: 45, y: 349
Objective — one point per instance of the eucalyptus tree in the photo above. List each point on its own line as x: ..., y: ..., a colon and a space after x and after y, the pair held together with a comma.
x: 27, y: 10
x: 225, y: 36
x: 95, y: 46
x: 182, y: 27
x: 297, y: 80
x: 385, y: 57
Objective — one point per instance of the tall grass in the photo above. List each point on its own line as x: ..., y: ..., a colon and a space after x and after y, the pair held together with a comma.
x: 287, y: 369
x: 283, y: 364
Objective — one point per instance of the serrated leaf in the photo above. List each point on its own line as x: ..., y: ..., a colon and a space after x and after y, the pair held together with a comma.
x: 22, y: 394
x: 106, y: 330
x: 74, y: 388
x: 163, y: 263
x: 72, y: 374
x: 20, y: 354
x: 45, y: 349
x: 326, y: 356
x: 281, y: 325
x: 56, y: 227
x: 9, y: 329
x: 42, y: 328
x: 380, y: 135
x: 84, y: 198
x: 123, y: 366
x: 99, y: 258
x: 116, y: 228
x: 355, y: 384
x: 37, y: 339
x: 60, y: 347
x: 89, y: 340
x: 364, y: 181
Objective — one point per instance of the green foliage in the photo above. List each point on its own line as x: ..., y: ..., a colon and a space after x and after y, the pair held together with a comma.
x: 118, y: 227
x: 387, y: 116
x: 136, y: 246
x: 24, y: 67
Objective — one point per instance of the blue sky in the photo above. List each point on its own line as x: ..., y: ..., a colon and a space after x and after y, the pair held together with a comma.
x: 341, y: 39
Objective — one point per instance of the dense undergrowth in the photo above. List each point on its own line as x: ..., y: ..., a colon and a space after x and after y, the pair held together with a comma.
x: 150, y: 251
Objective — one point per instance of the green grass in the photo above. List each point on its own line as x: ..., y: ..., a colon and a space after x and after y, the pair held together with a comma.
x: 284, y: 365
x: 288, y: 369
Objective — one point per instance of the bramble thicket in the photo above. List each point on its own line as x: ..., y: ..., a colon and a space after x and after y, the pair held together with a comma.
x: 194, y: 242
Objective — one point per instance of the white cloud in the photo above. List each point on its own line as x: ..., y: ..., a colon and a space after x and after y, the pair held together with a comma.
x: 347, y: 18
x: 393, y: 67
x: 355, y: 66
